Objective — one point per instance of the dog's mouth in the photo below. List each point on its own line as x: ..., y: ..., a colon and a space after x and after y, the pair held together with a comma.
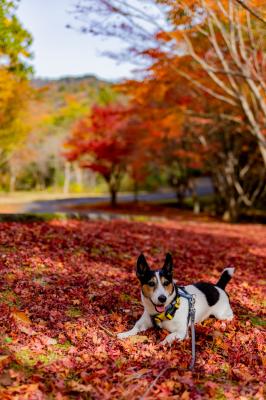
x: 159, y: 308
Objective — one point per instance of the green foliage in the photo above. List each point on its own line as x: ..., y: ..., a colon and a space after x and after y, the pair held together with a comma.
x: 71, y: 110
x: 34, y: 177
x: 15, y: 41
x: 107, y: 96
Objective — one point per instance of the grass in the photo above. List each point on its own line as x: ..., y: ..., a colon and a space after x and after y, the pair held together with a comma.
x: 74, y: 312
x: 28, y: 358
x: 9, y: 297
x: 258, y: 321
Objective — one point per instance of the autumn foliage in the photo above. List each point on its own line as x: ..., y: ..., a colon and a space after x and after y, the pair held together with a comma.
x: 105, y: 142
x: 15, y: 52
x: 63, y: 302
x: 204, y: 84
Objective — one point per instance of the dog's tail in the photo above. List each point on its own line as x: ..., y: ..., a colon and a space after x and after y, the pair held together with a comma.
x: 225, y: 277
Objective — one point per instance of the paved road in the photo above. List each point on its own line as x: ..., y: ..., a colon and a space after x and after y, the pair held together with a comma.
x: 204, y: 187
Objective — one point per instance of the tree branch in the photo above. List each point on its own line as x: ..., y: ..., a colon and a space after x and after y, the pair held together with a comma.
x: 205, y: 89
x: 250, y: 10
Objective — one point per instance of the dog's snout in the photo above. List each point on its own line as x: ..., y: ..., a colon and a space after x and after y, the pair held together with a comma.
x: 162, y: 298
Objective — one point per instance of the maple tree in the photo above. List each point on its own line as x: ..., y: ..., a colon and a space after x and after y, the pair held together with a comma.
x: 233, y: 160
x: 104, y: 142
x: 230, y: 60
x: 63, y: 302
x: 212, y: 51
x: 228, y: 64
x: 166, y: 144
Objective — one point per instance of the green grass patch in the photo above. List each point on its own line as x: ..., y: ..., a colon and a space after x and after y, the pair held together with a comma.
x: 95, y: 251
x: 140, y: 218
x: 103, y: 250
x: 8, y: 340
x: 125, y: 297
x: 9, y: 297
x: 220, y: 394
x: 74, y: 312
x: 7, y: 249
x: 256, y: 321
x: 28, y: 358
x: 155, y: 250
x: 63, y: 346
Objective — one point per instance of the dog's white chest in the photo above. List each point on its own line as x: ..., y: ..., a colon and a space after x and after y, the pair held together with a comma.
x: 170, y: 325
x: 179, y: 320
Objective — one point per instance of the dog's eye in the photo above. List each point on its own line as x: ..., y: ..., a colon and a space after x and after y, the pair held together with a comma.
x: 151, y: 284
x: 166, y: 283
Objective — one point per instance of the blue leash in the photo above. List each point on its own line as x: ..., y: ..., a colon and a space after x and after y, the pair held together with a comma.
x: 191, y: 316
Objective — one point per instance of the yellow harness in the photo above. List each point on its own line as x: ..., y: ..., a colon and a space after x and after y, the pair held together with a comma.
x: 169, y: 312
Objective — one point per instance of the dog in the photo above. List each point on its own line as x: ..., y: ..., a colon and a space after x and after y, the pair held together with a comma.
x: 159, y: 294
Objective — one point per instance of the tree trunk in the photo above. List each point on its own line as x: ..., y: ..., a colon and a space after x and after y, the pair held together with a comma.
x: 78, y: 175
x: 180, y: 196
x: 263, y: 152
x: 113, y: 198
x: 12, y: 183
x: 67, y: 178
x: 136, y: 192
x: 232, y: 212
x: 195, y: 197
x: 90, y: 178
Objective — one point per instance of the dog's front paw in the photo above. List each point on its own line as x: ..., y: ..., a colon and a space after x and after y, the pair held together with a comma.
x: 166, y: 342
x: 171, y: 338
x: 123, y: 335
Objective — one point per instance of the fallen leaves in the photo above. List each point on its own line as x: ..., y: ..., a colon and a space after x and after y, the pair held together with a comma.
x: 137, y: 339
x: 63, y: 302
x: 21, y: 317
x: 4, y: 360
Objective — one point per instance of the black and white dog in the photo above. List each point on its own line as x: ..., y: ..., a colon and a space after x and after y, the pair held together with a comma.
x: 159, y: 292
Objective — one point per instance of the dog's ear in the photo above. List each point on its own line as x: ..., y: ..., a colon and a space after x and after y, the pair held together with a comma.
x: 142, y: 267
x: 168, y: 265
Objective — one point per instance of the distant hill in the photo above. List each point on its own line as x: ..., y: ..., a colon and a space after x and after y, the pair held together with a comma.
x: 85, y: 90
x: 68, y: 80
x: 55, y: 106
x: 57, y: 103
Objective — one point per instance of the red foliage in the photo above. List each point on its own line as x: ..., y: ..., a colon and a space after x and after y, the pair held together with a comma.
x: 103, y: 138
x: 109, y: 142
x: 67, y: 287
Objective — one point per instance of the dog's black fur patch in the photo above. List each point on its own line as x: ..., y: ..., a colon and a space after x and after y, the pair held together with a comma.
x: 167, y: 276
x: 168, y: 265
x: 144, y: 279
x: 211, y: 292
x: 224, y: 279
x: 144, y: 273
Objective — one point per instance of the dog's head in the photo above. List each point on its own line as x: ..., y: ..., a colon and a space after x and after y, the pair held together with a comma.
x: 157, y: 285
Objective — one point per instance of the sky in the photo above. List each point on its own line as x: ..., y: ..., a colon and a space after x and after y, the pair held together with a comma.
x: 59, y: 51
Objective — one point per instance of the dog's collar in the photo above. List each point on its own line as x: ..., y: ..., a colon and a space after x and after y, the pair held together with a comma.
x: 170, y: 310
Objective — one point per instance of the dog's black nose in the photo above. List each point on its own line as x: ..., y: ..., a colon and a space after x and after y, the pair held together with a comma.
x: 162, y: 298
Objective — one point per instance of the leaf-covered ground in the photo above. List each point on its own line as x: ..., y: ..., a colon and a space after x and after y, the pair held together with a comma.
x: 67, y: 287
